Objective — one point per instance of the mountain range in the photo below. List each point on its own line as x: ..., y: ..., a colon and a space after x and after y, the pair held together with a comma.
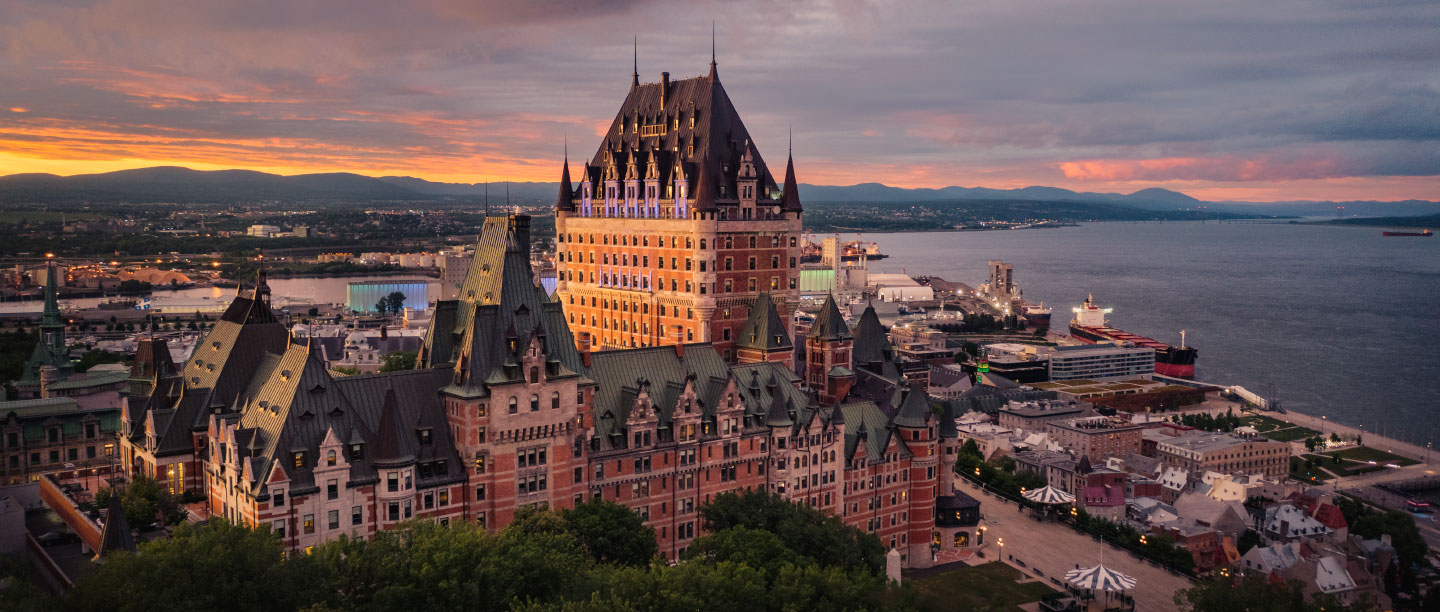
x: 175, y: 184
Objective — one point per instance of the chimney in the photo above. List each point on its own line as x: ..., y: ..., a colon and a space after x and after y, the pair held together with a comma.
x: 679, y: 350
x: 583, y: 343
x: 522, y: 231
x: 664, y: 88
x: 48, y: 376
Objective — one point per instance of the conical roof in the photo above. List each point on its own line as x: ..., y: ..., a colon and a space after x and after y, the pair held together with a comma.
x: 915, y: 409
x: 566, y: 200
x: 764, y: 329
x: 830, y: 325
x: 117, y: 534
x: 779, y: 414
x: 51, y: 317
x: 790, y: 198
x: 392, y: 448
x: 871, y: 341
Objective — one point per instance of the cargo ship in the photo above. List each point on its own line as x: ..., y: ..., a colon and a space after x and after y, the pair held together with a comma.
x: 1425, y: 233
x: 1089, y: 326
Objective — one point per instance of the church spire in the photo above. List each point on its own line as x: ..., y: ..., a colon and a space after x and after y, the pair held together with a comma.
x: 51, y: 325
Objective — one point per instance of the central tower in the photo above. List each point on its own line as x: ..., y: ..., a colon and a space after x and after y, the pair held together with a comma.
x: 677, y: 224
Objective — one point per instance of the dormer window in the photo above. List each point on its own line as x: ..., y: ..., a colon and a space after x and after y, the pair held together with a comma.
x: 299, y: 459
x: 330, y: 458
x: 424, y: 435
x: 357, y: 451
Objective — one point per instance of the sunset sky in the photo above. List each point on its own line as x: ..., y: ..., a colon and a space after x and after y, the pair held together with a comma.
x: 1221, y: 99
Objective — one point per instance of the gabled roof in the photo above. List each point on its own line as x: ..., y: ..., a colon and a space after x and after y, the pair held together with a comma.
x: 865, y: 421
x: 830, y: 324
x: 764, y: 329
x: 662, y: 372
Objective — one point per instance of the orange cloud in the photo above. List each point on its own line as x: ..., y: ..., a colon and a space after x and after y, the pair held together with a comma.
x: 19, y: 109
x: 1226, y: 168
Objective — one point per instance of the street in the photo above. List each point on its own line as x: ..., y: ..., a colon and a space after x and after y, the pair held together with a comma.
x: 1055, y: 548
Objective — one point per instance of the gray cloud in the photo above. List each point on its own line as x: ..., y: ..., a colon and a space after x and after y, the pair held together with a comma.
x: 1346, y: 87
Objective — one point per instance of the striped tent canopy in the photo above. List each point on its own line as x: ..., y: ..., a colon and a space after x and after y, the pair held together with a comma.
x: 1049, y: 495
x: 1100, y: 578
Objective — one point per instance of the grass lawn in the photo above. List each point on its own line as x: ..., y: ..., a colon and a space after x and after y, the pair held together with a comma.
x: 1290, y: 435
x: 1365, y: 453
x: 1315, y: 476
x: 1265, y: 423
x: 976, y: 588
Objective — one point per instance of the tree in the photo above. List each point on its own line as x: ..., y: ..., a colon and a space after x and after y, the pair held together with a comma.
x: 396, y: 302
x: 1248, y: 540
x: 345, y: 370
x: 807, y: 531
x: 382, y: 306
x: 215, y: 566
x: 398, y: 360
x: 1256, y: 593
x: 759, y: 549
x: 90, y: 359
x: 611, y: 533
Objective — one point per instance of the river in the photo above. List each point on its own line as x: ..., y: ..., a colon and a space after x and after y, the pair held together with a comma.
x: 1334, y: 321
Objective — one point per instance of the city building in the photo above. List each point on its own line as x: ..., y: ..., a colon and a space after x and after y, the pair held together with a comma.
x: 262, y: 231
x: 508, y: 409
x: 1097, y: 438
x: 1100, y: 361
x: 1202, y: 451
x: 1036, y: 415
x: 677, y: 224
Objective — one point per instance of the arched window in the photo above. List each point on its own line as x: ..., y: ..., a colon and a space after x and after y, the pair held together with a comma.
x: 555, y: 400
x: 330, y: 458
x: 534, y: 403
x: 534, y: 375
x: 514, y: 405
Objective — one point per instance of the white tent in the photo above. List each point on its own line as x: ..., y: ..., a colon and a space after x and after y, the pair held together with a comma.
x: 1100, y: 578
x: 1049, y: 495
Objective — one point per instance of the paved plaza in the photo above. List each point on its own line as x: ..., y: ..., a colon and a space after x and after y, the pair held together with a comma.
x: 1055, y: 548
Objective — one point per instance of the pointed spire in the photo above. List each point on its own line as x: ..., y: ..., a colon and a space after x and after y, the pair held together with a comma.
x: 117, y: 534
x: 566, y: 200
x: 51, y: 318
x: 635, y: 54
x: 790, y: 197
x: 713, y: 72
x: 262, y: 288
x: 830, y: 324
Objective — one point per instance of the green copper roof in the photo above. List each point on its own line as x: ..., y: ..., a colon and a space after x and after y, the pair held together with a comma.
x: 764, y: 329
x: 830, y: 324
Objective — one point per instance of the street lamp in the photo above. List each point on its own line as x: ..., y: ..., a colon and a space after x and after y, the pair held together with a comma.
x: 1142, y: 539
x: 1001, y: 542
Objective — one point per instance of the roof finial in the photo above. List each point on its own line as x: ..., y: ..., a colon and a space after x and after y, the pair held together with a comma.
x: 635, y: 56
x: 487, y: 197
x: 790, y: 148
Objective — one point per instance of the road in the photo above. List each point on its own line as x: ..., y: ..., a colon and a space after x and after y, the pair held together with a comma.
x: 1055, y: 548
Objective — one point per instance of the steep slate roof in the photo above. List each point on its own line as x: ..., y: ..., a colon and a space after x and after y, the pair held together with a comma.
x: 55, y: 352
x: 500, y: 310
x: 865, y: 422
x: 830, y: 324
x: 438, y: 346
x: 915, y: 409
x: 117, y: 534
x: 790, y: 199
x: 296, y: 403
x: 764, y: 329
x: 660, y: 372
x: 718, y: 136
x: 871, y: 340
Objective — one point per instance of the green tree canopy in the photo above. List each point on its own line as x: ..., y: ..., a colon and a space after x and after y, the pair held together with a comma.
x: 611, y: 533
x: 398, y: 360
x: 807, y: 531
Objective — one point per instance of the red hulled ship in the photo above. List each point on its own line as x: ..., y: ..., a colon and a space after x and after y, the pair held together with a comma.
x: 1089, y: 326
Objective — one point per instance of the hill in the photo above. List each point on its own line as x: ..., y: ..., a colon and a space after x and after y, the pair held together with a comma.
x: 175, y: 184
